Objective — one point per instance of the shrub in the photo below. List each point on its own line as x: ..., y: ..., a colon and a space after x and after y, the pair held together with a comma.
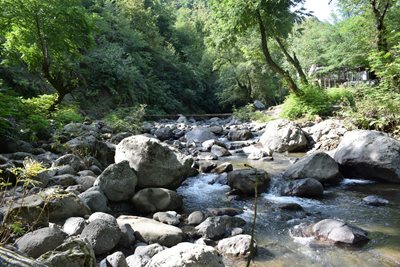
x: 248, y: 113
x: 311, y: 101
x: 126, y: 119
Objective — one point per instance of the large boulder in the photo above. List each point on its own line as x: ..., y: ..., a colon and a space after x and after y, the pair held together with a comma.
x: 239, y: 135
x: 339, y: 232
x: 369, y: 155
x: 319, y: 166
x: 307, y: 187
x: 237, y: 246
x: 72, y: 160
x: 187, y: 255
x: 150, y: 200
x: 199, y: 135
x: 38, y: 242
x: 143, y: 255
x: 212, y: 228
x: 102, y: 235
x: 156, y: 164
x: 12, y: 258
x: 117, y: 181
x: 95, y: 200
x: 72, y: 253
x: 244, y: 180
x: 164, y: 133
x: 283, y: 135
x: 61, y: 205
x: 151, y: 231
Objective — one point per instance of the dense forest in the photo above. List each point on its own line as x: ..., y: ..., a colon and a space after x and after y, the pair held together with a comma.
x: 65, y: 61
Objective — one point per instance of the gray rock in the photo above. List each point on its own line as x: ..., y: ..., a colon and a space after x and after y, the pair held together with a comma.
x: 95, y: 200
x: 224, y: 167
x: 212, y: 228
x: 199, y: 135
x: 283, y: 135
x: 196, y: 217
x: 239, y: 135
x: 27, y: 210
x: 185, y: 255
x: 103, y: 216
x: 72, y: 253
x: 319, y: 166
x: 220, y: 151
x: 238, y: 246
x: 102, y: 235
x: 206, y: 166
x: 64, y: 169
x: 369, y: 155
x: 117, y: 259
x: 62, y: 205
x: 12, y: 258
x: 118, y: 181
x: 258, y: 105
x: 63, y: 180
x: 151, y: 200
x: 71, y: 160
x: 38, y: 242
x: 74, y: 226
x: 86, y: 173
x: 236, y: 231
x: 244, y: 181
x: 127, y: 236
x: 169, y: 217
x: 85, y: 181
x: 375, y: 201
x: 151, y: 231
x: 339, y: 232
x: 156, y: 164
x: 143, y: 254
x: 307, y: 187
x: 164, y: 133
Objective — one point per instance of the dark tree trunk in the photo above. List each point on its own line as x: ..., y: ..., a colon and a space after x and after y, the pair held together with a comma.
x: 293, y: 60
x: 381, y: 40
x: 268, y: 58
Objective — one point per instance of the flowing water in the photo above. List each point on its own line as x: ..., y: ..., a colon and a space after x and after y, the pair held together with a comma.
x: 275, y: 245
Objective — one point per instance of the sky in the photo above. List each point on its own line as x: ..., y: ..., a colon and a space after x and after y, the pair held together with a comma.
x: 321, y: 8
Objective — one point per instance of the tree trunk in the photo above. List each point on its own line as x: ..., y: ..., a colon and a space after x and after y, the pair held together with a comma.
x: 275, y: 67
x: 381, y: 40
x: 294, y: 61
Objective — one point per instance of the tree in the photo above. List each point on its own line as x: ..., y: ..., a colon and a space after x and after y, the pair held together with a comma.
x: 272, y: 19
x: 49, y: 36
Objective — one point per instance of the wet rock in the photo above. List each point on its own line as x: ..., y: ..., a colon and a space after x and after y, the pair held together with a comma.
x: 237, y: 246
x: 74, y: 226
x: 369, y: 155
x: 38, y: 242
x: 220, y: 151
x: 169, y: 217
x: 290, y: 206
x: 225, y: 211
x: 239, y: 135
x: 199, y: 135
x: 151, y: 200
x: 224, y: 167
x: 185, y: 255
x: 283, y: 135
x: 117, y: 259
x: 143, y: 254
x: 339, y: 232
x: 151, y: 231
x: 156, y: 164
x: 212, y: 228
x: 196, y: 217
x: 102, y: 235
x: 244, y: 181
x: 72, y: 253
x: 319, y: 166
x: 308, y: 187
x: 375, y: 201
x: 118, y: 181
x: 95, y: 200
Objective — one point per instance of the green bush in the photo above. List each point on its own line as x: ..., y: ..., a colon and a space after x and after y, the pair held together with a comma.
x: 126, y: 119
x: 248, y: 113
x: 311, y: 101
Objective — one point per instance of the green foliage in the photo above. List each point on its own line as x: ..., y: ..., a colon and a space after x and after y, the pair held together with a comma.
x: 386, y: 66
x: 126, y: 119
x: 248, y: 113
x: 311, y: 101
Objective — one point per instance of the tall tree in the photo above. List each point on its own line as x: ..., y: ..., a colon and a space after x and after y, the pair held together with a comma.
x: 271, y: 18
x: 49, y: 36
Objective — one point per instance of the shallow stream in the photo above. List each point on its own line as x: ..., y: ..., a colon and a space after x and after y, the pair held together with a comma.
x: 275, y: 245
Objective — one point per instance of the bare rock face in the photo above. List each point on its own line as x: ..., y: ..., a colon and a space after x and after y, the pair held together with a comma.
x: 187, y: 255
x: 283, y: 135
x: 369, y: 155
x: 319, y: 166
x: 156, y: 164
